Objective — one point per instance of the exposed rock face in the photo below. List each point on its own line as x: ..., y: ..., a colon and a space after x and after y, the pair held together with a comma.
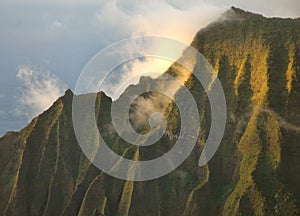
x: 255, y: 170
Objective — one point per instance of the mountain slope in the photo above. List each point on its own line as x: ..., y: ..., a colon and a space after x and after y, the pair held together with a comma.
x: 44, y: 172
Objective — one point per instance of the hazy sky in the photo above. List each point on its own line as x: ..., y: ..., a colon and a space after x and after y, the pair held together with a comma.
x: 45, y: 44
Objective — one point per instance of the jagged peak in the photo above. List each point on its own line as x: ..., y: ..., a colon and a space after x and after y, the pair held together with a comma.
x: 248, y: 14
x: 145, y: 80
x: 243, y: 12
x: 68, y: 92
x: 239, y: 14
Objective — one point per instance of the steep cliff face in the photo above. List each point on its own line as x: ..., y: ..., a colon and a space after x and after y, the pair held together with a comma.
x: 257, y: 61
x: 255, y: 170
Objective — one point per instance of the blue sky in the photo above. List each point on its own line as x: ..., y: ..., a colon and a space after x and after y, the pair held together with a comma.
x: 44, y: 45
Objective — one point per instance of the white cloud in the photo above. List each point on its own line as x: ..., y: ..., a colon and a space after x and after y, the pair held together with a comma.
x: 156, y: 18
x: 39, y: 91
x: 131, y: 72
x: 173, y: 18
x: 119, y: 19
